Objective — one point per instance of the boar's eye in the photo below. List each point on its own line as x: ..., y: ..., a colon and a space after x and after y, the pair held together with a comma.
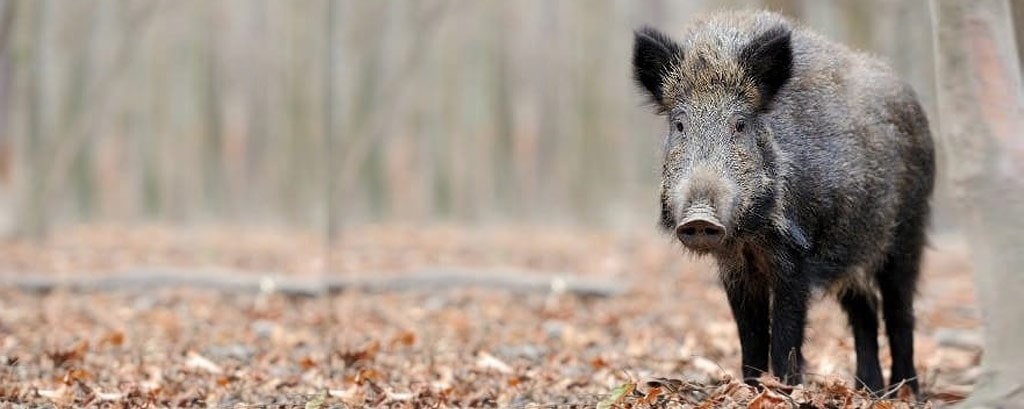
x: 739, y: 125
x: 678, y: 125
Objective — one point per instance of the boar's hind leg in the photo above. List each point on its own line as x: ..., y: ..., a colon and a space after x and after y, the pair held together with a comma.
x: 864, y: 322
x: 750, y: 302
x: 897, y: 280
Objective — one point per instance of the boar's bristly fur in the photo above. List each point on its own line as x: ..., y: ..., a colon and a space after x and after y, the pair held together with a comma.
x: 797, y: 164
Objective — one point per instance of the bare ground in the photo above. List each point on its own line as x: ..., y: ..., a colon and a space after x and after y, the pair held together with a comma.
x: 618, y: 318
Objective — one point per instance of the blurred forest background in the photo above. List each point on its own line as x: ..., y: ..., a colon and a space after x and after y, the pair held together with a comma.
x: 306, y: 114
x: 210, y: 202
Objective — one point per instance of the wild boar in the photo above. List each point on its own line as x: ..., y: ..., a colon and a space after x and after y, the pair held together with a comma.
x: 797, y: 164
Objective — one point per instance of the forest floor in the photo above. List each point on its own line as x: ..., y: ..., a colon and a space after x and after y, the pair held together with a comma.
x: 619, y: 319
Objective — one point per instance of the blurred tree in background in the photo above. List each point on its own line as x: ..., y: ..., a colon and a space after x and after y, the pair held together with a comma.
x: 981, y: 103
x: 308, y: 114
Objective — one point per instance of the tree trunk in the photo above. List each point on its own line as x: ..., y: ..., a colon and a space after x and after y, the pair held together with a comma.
x: 980, y: 117
x: 330, y: 134
x: 1018, y: 27
x: 33, y: 209
x: 8, y: 8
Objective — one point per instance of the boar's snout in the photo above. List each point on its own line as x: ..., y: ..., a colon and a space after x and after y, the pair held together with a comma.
x: 701, y: 233
x: 703, y: 205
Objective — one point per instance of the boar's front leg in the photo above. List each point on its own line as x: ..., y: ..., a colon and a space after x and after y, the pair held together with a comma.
x: 789, y: 317
x: 750, y: 303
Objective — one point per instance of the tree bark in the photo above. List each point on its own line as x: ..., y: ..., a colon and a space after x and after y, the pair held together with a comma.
x: 981, y: 115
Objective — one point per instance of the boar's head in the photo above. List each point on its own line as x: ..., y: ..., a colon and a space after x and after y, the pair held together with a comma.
x: 720, y: 157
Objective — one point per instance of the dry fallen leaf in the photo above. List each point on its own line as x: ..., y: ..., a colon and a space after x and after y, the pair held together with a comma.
x: 666, y: 384
x: 76, y: 374
x: 307, y: 363
x: 405, y: 338
x: 366, y: 353
x: 367, y: 375
x: 881, y: 405
x: 74, y: 354
x: 109, y: 395
x: 768, y: 399
x: 651, y: 396
x: 197, y: 361
x: 318, y: 401
x: 905, y: 394
x: 153, y: 380
x: 400, y: 396
x: 113, y: 338
x: 732, y: 390
x: 488, y: 361
x: 709, y: 367
x: 62, y: 396
x: 353, y: 395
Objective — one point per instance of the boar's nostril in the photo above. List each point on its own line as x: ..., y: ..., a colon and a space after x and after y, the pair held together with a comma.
x: 712, y: 230
x: 701, y: 234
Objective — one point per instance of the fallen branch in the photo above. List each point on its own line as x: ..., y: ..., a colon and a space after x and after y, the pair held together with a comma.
x: 435, y: 279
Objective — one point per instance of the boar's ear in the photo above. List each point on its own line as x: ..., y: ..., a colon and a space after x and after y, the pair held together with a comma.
x: 654, y: 54
x: 768, y: 60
